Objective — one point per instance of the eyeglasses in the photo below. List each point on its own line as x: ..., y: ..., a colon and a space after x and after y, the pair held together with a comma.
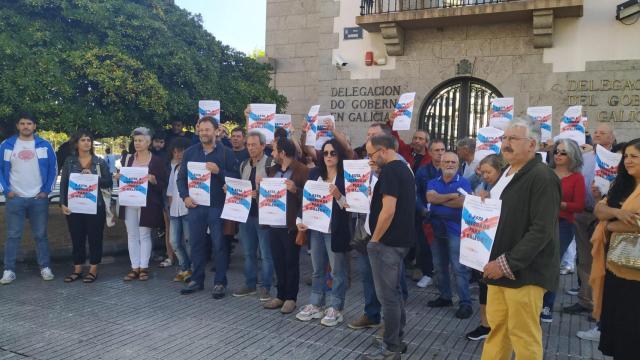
x: 373, y: 153
x: 450, y: 162
x: 560, y: 152
x: 512, y: 138
x: 331, y: 153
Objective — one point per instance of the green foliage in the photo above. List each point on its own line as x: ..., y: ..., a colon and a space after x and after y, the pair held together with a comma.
x: 112, y: 65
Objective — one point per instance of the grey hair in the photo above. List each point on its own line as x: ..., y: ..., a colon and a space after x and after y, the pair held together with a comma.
x: 573, y: 153
x: 467, y: 143
x: 532, y: 129
x: 142, y: 131
x: 384, y: 141
x: 259, y: 135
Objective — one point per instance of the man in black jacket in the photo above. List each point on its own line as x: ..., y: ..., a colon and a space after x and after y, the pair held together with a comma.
x: 525, y: 256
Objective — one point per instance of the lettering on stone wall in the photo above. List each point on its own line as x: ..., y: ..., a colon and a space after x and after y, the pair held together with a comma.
x: 363, y: 103
x: 611, y: 100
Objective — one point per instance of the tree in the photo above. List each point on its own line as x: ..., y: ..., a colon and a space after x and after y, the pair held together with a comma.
x: 112, y: 65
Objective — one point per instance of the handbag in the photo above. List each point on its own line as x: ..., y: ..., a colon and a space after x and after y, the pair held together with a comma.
x: 624, y: 250
x: 360, y: 237
x: 106, y: 196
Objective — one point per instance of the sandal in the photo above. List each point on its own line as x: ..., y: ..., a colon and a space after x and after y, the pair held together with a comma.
x: 132, y: 275
x: 144, y: 275
x: 90, y: 278
x: 73, y: 277
x: 166, y: 263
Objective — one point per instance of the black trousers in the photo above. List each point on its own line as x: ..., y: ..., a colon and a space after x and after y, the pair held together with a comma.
x: 286, y: 262
x: 87, y: 228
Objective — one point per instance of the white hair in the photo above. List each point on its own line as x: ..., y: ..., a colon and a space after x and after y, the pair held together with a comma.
x: 532, y: 130
x: 142, y: 131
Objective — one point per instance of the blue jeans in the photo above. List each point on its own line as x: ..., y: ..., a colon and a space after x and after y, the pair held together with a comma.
x: 321, y: 253
x: 372, y: 306
x: 253, y: 235
x: 567, y: 230
x: 200, y: 218
x: 17, y: 209
x: 446, y: 250
x: 179, y: 237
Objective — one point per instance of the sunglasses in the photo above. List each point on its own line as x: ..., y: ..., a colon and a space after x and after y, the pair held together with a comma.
x: 330, y: 153
x: 561, y: 153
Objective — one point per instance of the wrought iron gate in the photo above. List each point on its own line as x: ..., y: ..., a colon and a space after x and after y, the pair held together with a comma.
x: 457, y: 109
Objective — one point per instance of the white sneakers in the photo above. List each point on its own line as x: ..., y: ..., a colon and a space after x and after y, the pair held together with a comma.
x: 330, y: 317
x: 590, y: 335
x: 7, y: 277
x: 47, y: 274
x: 425, y: 281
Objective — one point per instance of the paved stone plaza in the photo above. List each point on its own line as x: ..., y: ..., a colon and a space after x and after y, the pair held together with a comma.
x: 111, y: 319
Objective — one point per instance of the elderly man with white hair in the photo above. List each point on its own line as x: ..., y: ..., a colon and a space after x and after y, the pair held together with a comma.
x: 525, y: 255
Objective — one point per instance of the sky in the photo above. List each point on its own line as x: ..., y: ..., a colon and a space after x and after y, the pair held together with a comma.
x: 237, y: 23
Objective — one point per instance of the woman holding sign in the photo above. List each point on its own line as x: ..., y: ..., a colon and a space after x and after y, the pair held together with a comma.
x: 140, y: 219
x: 83, y: 204
x: 331, y: 247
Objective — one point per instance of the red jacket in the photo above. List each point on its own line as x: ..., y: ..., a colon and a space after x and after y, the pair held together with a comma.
x: 406, y: 151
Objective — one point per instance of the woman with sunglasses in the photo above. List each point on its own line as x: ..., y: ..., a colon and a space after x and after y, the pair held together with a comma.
x: 332, y: 247
x: 566, y: 161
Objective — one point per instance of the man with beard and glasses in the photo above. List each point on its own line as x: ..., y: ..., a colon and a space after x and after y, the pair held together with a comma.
x: 221, y: 162
x: 525, y: 256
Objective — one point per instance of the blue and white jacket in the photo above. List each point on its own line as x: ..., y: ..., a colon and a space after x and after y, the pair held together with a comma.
x: 46, y: 163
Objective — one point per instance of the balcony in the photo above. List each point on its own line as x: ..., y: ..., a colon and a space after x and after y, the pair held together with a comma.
x: 391, y: 17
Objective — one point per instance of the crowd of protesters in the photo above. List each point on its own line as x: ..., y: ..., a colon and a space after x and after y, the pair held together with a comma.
x: 412, y: 229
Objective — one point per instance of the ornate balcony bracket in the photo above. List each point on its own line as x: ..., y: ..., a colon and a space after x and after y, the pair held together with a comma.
x: 543, y: 28
x: 393, y: 37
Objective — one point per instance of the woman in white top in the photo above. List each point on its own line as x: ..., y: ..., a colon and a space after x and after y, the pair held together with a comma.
x: 332, y: 246
x: 179, y: 226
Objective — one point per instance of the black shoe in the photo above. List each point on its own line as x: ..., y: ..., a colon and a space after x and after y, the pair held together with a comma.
x: 479, y: 333
x: 218, y: 291
x: 575, y: 309
x: 464, y: 312
x: 439, y: 302
x: 377, y: 342
x: 191, y: 288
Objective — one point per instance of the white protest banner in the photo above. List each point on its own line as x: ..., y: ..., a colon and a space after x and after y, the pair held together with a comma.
x: 606, y: 168
x: 311, y: 118
x: 356, y: 185
x: 272, y: 202
x: 324, y: 133
x: 501, y: 112
x: 134, y: 183
x: 283, y: 121
x: 542, y: 115
x: 261, y: 118
x: 317, y: 204
x: 403, y: 112
x: 237, y: 202
x: 199, y: 183
x: 572, y: 125
x: 488, y: 141
x: 82, y: 197
x: 479, y: 223
x: 543, y: 156
x: 209, y: 108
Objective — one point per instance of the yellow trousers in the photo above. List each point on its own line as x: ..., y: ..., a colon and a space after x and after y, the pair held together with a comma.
x: 514, y: 318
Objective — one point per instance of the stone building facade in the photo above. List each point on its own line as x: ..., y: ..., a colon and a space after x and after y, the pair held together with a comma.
x: 541, y: 52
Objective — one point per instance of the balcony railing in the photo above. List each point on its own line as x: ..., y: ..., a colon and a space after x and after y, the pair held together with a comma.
x: 371, y: 7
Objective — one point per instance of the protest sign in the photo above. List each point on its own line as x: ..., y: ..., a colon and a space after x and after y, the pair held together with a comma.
x: 261, y: 118
x: 479, y: 223
x: 403, y: 112
x: 501, y: 112
x: 199, y: 183
x: 606, y: 168
x: 317, y: 203
x: 82, y: 197
x: 356, y: 183
x: 272, y: 202
x: 283, y: 121
x: 237, y: 202
x: 324, y: 133
x: 311, y: 127
x: 572, y: 125
x: 134, y: 183
x: 488, y: 141
x: 542, y: 116
x: 209, y: 108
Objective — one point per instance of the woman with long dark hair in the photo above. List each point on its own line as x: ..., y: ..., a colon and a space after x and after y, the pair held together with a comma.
x: 329, y: 248
x: 85, y: 227
x: 616, y: 279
